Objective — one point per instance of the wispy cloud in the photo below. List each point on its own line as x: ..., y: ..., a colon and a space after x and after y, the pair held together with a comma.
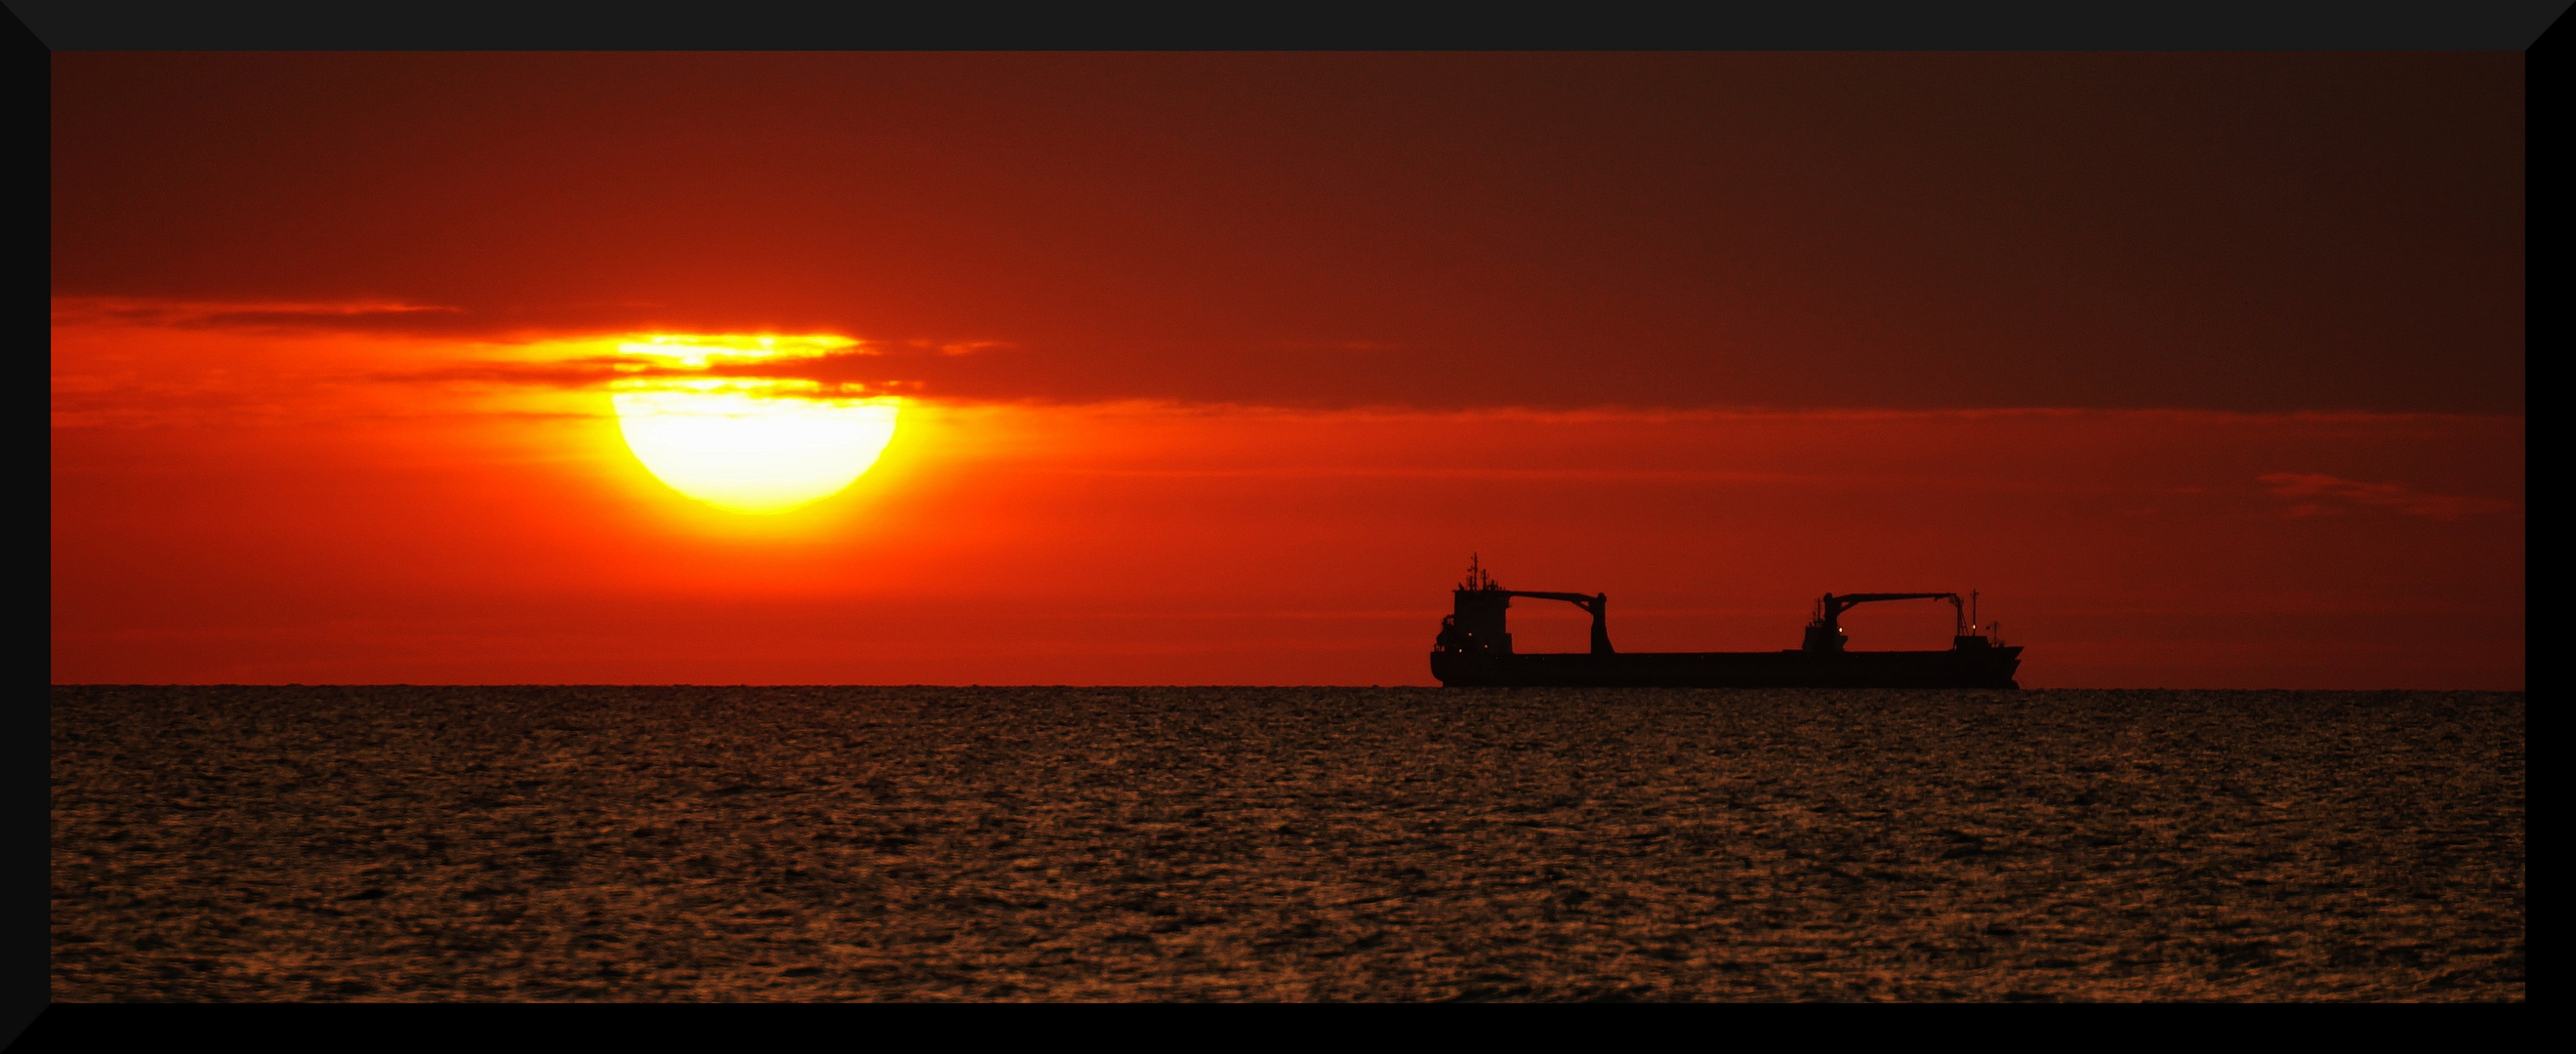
x: 2318, y: 494
x: 844, y: 373
x: 1338, y: 345
x: 498, y: 352
x: 362, y: 314
x: 957, y: 347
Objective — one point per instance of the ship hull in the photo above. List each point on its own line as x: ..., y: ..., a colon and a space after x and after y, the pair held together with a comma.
x: 1956, y: 668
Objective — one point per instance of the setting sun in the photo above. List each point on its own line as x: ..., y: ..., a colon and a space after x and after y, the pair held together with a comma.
x: 745, y: 443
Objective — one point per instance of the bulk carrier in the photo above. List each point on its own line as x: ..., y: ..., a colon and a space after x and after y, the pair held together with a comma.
x: 1475, y: 651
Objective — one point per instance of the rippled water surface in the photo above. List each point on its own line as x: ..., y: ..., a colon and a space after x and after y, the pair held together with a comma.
x: 1283, y: 844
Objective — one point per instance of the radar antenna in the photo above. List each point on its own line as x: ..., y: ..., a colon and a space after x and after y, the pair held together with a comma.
x: 1477, y: 579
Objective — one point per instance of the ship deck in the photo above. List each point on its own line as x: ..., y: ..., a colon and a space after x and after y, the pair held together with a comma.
x: 1951, y: 668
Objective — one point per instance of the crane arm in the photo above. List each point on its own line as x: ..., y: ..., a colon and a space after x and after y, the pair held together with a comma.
x: 1571, y: 598
x: 1598, y: 604
x: 1825, y: 631
x: 1843, y: 602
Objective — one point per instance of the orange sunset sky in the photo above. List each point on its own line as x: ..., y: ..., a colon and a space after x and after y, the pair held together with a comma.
x: 2206, y: 370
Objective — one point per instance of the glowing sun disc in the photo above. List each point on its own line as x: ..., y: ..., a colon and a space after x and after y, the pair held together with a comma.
x: 749, y: 452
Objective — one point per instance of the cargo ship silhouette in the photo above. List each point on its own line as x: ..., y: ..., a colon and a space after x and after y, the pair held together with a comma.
x: 1475, y: 651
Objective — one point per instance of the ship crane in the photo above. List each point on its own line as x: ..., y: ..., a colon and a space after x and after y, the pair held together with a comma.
x: 1825, y: 630
x: 1598, y: 604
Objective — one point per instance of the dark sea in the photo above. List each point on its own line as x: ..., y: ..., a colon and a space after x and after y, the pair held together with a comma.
x: 1284, y: 844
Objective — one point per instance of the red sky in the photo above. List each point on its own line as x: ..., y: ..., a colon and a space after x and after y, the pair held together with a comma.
x: 2207, y: 369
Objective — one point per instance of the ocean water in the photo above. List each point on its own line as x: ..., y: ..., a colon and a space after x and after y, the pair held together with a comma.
x: 422, y: 843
